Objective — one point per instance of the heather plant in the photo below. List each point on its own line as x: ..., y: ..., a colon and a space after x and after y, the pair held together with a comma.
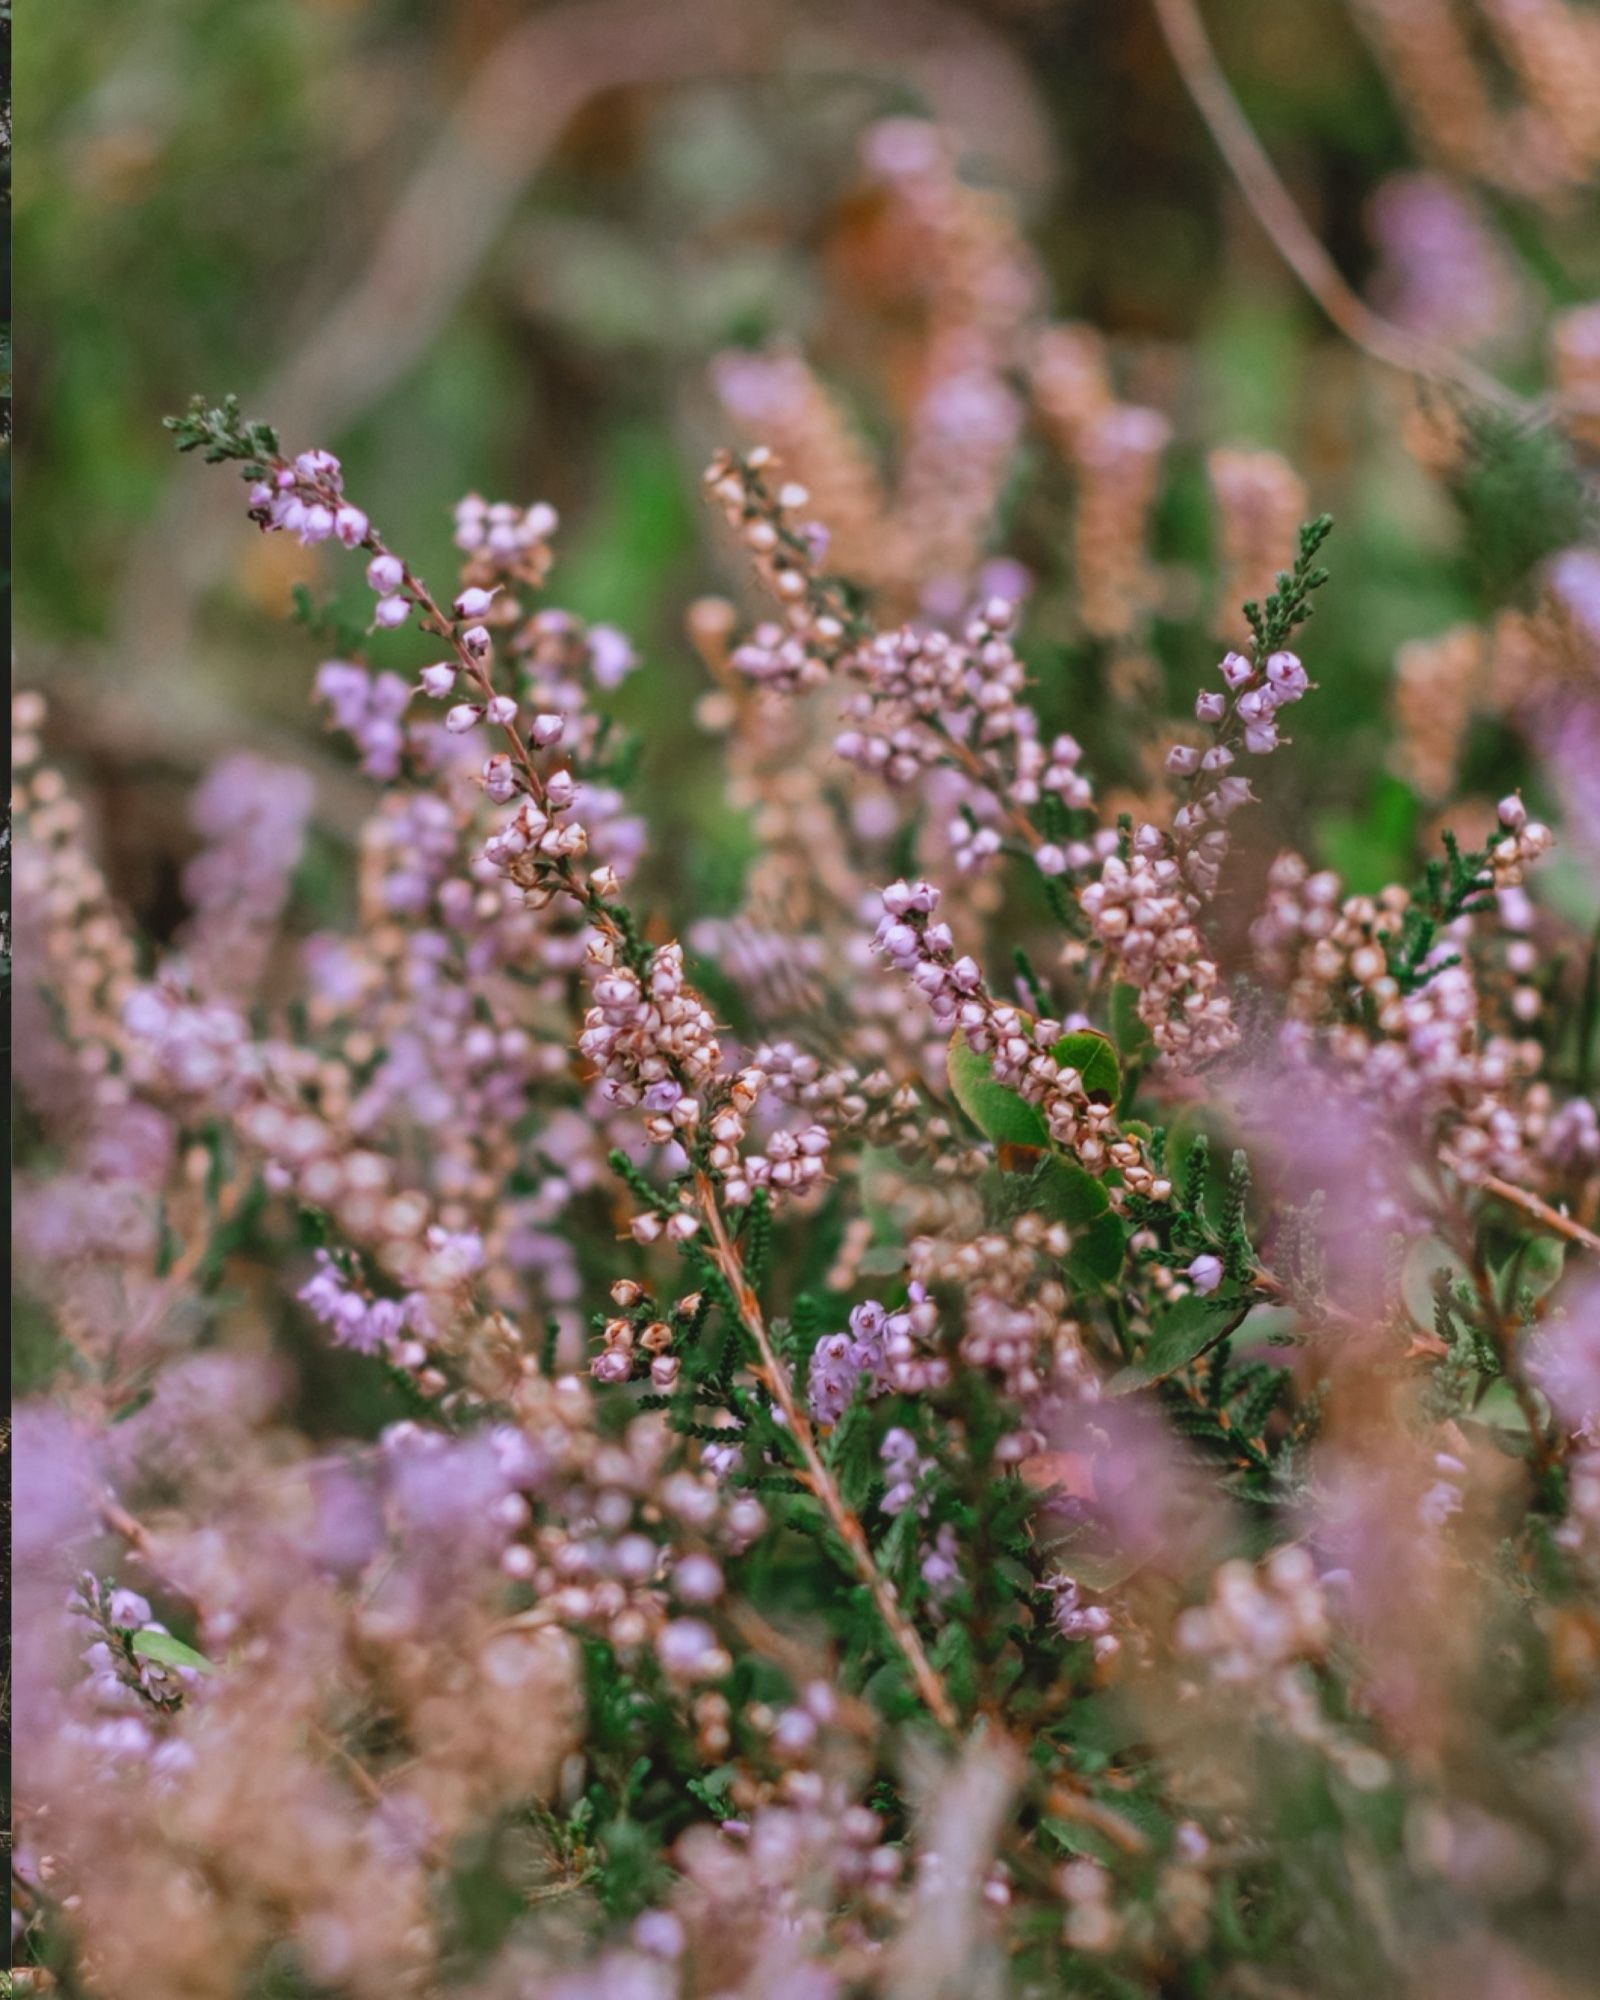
x: 1012, y: 1411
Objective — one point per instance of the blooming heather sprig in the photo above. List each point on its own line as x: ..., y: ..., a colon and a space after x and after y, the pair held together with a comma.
x: 1018, y: 1047
x: 929, y: 700
x: 886, y: 1349
x: 787, y: 549
x: 925, y: 700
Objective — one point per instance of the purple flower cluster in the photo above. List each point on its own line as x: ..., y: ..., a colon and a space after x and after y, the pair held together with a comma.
x: 368, y: 707
x: 886, y: 1349
x: 307, y: 499
x: 367, y: 1325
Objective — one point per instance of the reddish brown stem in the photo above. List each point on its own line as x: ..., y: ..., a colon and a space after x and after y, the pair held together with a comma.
x: 818, y: 1477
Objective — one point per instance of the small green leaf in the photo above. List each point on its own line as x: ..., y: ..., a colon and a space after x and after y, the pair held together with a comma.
x: 1094, y: 1058
x: 998, y: 1113
x: 166, y: 1651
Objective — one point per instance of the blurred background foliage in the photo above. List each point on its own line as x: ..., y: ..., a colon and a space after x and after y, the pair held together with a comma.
x: 485, y: 246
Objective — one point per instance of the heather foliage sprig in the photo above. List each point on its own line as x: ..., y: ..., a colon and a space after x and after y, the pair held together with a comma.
x: 938, y: 1432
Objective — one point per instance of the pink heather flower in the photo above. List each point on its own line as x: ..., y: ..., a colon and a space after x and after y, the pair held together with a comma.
x: 547, y: 730
x: 1182, y: 762
x: 464, y: 716
x: 1287, y: 677
x: 697, y: 1580
x: 390, y: 611
x: 1049, y: 859
x: 941, y: 1568
x: 1210, y: 707
x: 439, y: 681
x: 1235, y: 669
x: 1261, y: 737
x: 128, y: 1609
x: 688, y: 1650
x: 1205, y: 1273
x: 385, y: 574
x: 659, y: 1933
x: 351, y: 526
x: 1565, y: 1359
x: 1228, y: 797
x: 611, y: 657
x: 476, y: 641
x: 474, y: 603
x: 501, y: 709
x: 1512, y: 812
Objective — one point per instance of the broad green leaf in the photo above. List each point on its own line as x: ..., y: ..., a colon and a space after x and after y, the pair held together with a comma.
x: 1095, y: 1568
x: 1176, y: 1337
x: 1094, y: 1058
x: 1499, y: 1412
x: 879, y: 1163
x: 1062, y: 1191
x: 1129, y: 1033
x: 883, y: 1260
x: 166, y: 1651
x: 1534, y: 1266
x: 998, y: 1113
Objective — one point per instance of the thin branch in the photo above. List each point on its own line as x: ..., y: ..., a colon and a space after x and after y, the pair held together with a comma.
x: 1296, y: 242
x: 1541, y: 1212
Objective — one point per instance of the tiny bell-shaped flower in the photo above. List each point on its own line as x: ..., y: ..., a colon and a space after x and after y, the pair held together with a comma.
x: 474, y: 603
x: 1205, y: 1273
x: 385, y: 574
x: 1235, y: 669
x: 390, y: 611
x: 439, y: 681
